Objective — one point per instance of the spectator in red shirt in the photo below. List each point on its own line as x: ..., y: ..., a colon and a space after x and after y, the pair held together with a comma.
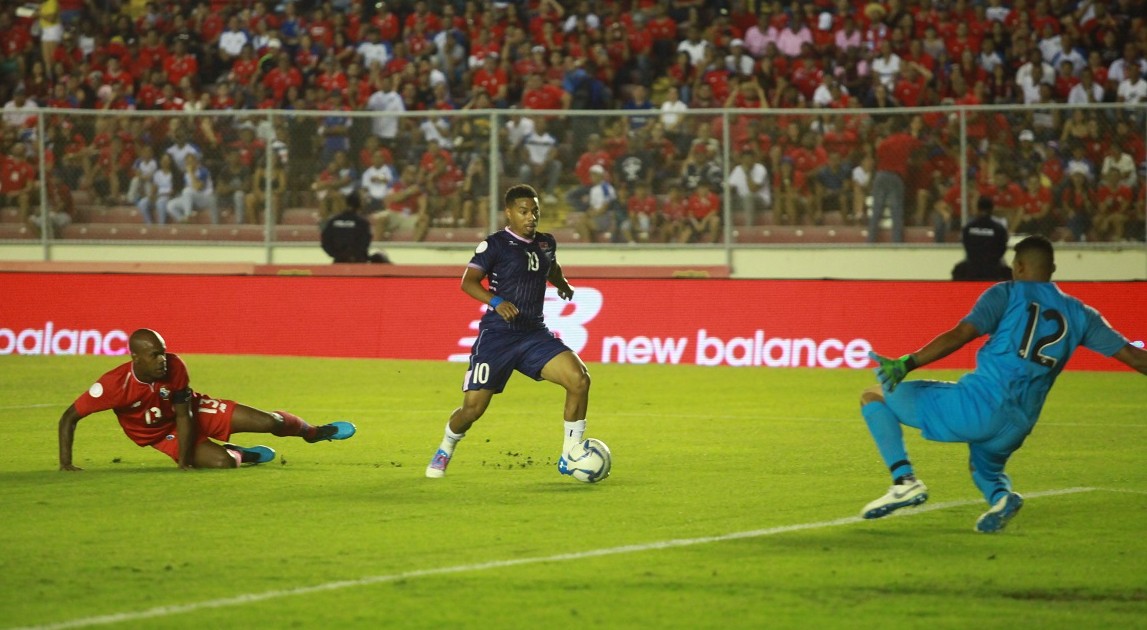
x: 282, y: 77
x: 704, y: 218
x: 180, y: 64
x: 491, y: 79
x: 17, y: 180
x: 892, y: 158
x: 1114, y: 203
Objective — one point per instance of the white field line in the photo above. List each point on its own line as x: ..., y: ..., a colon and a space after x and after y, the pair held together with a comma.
x: 445, y: 412
x: 250, y: 598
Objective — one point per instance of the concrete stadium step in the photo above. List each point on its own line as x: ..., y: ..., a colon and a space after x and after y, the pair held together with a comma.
x: 173, y: 232
x: 112, y: 214
x: 820, y: 234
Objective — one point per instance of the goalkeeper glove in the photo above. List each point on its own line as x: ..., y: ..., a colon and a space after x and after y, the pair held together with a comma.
x: 892, y: 371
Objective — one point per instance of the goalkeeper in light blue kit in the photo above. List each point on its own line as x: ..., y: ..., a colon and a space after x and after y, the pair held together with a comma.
x: 1034, y: 327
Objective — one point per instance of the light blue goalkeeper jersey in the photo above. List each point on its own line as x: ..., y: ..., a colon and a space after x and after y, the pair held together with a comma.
x: 1034, y: 328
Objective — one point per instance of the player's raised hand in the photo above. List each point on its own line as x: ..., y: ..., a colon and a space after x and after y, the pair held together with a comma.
x: 891, y: 371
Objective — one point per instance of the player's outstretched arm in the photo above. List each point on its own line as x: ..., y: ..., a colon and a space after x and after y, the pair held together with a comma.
x: 946, y: 343
x: 1134, y: 357
x: 891, y: 371
x: 558, y: 278
x: 68, y: 423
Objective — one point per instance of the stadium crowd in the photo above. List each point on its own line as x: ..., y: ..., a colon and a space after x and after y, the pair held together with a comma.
x: 655, y: 173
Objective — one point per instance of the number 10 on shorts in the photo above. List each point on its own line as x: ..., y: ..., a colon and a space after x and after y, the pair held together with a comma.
x: 480, y: 375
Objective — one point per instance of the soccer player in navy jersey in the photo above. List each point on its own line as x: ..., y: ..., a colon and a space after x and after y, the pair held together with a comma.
x: 512, y: 335
x: 1034, y: 328
x: 152, y: 398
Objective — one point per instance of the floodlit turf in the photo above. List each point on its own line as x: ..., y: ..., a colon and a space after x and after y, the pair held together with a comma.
x: 350, y: 534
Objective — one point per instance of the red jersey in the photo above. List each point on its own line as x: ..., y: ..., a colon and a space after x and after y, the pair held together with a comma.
x: 1119, y: 197
x: 491, y: 82
x: 675, y: 209
x: 179, y: 67
x: 449, y: 181
x: 588, y: 160
x: 1034, y: 204
x: 646, y: 205
x: 15, y: 175
x: 145, y: 410
x: 243, y: 70
x: 662, y: 29
x: 703, y: 203
x: 388, y: 26
x: 892, y: 153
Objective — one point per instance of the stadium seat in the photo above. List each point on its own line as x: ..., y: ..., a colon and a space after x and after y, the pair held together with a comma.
x: 292, y: 233
x: 113, y: 214
x: 300, y: 216
x: 10, y: 215
x: 14, y: 231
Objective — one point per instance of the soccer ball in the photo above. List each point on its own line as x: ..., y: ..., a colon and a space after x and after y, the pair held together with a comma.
x: 589, y: 461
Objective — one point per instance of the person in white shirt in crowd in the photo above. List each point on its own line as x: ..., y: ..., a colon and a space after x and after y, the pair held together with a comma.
x: 541, y: 159
x: 1133, y: 88
x: 1116, y: 72
x: 829, y: 92
x: 232, y: 40
x: 153, y: 204
x: 1030, y: 84
x: 886, y: 65
x: 372, y: 50
x: 694, y: 45
x: 386, y: 100
x: 376, y: 182
x: 749, y: 183
x: 600, y: 216
x: 142, y: 169
x: 19, y: 110
x: 1088, y: 90
x: 1035, y: 58
x: 738, y: 61
x: 182, y: 147
x: 514, y: 132
x: 198, y: 192
x: 1120, y: 161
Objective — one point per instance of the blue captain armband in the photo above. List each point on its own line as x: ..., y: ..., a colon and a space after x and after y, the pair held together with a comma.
x: 495, y: 301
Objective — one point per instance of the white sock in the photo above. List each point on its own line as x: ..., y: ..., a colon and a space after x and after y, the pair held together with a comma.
x: 573, y: 433
x: 450, y: 439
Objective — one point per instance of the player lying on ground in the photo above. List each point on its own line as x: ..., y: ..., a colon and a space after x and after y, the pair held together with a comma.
x: 512, y: 334
x: 152, y: 397
x: 1034, y: 328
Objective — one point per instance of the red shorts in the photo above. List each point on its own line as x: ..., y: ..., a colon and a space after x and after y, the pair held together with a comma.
x: 213, y: 418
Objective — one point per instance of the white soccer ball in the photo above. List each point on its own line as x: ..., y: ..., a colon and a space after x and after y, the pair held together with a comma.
x: 589, y: 461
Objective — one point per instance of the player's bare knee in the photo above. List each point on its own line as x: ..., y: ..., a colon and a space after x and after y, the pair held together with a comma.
x: 580, y: 381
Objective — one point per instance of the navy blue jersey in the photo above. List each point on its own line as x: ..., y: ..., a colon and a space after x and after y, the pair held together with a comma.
x: 517, y: 268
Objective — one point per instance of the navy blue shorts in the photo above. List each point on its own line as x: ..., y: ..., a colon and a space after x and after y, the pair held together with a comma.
x: 497, y: 353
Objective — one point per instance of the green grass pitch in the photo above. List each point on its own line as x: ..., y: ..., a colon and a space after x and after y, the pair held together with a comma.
x: 733, y: 503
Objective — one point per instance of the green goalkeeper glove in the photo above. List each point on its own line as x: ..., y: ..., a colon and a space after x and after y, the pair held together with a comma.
x: 892, y: 371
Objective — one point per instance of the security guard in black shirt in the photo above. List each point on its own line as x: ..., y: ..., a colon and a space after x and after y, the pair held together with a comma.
x: 985, y: 242
x: 346, y: 236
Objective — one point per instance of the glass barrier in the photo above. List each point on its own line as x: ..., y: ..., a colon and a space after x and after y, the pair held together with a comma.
x: 729, y: 177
